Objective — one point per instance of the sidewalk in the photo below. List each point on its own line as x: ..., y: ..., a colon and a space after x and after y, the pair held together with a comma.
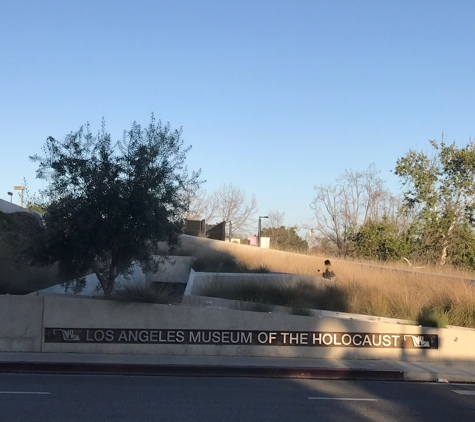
x: 112, y: 364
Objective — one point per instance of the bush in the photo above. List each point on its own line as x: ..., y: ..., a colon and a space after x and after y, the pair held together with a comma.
x: 434, y: 317
x: 301, y: 312
x: 146, y: 294
x: 254, y: 307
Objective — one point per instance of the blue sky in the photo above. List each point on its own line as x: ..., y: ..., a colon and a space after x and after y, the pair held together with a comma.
x: 274, y: 96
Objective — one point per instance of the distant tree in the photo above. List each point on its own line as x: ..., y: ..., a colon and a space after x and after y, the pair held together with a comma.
x: 441, y: 189
x: 340, y: 209
x: 110, y: 204
x: 32, y: 201
x: 232, y: 204
x: 323, y: 246
x: 285, y: 239
x: 201, y: 206
x: 276, y: 219
x: 271, y: 227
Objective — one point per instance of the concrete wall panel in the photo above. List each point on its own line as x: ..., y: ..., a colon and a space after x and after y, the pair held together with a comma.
x: 20, y: 323
x: 21, y: 330
x: 198, y: 280
x: 175, y: 271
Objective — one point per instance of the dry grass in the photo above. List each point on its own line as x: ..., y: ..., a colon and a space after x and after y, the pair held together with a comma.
x: 427, y: 296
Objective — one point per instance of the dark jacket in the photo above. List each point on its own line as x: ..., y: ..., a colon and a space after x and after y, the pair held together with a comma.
x: 329, y: 274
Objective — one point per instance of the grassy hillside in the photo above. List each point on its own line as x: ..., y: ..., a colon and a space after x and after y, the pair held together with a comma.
x: 426, y: 295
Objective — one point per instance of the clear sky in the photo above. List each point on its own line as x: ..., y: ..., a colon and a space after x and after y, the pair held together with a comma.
x: 274, y: 96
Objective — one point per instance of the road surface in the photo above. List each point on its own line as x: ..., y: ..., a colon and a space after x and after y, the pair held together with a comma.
x: 74, y: 398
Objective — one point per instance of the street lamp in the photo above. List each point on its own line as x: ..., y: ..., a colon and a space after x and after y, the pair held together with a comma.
x: 11, y: 196
x: 22, y: 189
x: 259, y: 230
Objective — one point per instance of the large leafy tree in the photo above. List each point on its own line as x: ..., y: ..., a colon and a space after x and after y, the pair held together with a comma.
x: 111, y: 203
x: 441, y: 188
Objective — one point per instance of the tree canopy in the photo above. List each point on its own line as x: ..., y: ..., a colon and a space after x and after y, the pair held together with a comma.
x: 109, y: 204
x: 441, y: 190
x: 381, y: 240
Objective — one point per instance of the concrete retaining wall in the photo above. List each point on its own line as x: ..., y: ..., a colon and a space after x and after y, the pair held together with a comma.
x: 20, y: 323
x: 215, y: 302
x: 177, y: 270
x: 25, y: 318
x: 198, y: 280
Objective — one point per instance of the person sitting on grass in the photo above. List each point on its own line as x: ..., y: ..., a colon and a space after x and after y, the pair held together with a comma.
x: 328, y: 273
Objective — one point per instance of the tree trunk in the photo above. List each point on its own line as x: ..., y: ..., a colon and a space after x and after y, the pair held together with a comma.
x: 443, y: 255
x: 105, y: 280
x: 445, y: 243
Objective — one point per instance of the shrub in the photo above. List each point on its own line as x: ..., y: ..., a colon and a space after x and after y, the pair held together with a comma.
x: 146, y: 294
x: 254, y: 307
x: 301, y: 311
x: 433, y: 317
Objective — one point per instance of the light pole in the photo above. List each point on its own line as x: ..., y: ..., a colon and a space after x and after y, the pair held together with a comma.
x: 259, y: 230
x: 22, y: 188
x: 11, y: 196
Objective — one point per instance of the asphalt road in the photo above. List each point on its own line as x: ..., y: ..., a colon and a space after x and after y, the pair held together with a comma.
x: 61, y: 398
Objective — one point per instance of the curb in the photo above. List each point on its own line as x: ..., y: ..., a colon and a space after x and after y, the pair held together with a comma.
x: 200, y: 371
x: 418, y: 376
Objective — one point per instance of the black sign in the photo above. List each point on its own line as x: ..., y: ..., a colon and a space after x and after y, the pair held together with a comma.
x: 241, y: 337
